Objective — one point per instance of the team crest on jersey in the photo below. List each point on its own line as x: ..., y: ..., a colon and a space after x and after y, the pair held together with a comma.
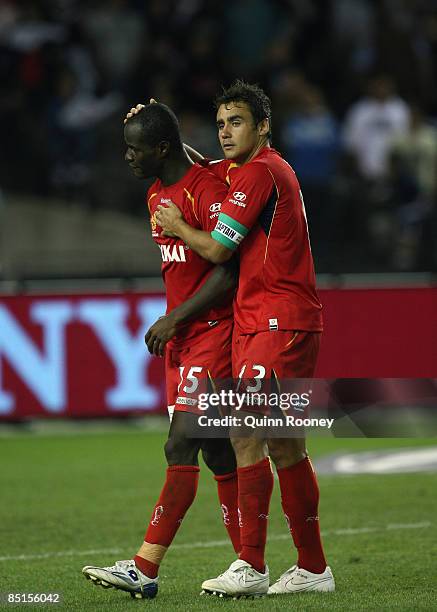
x: 153, y: 225
x: 175, y: 252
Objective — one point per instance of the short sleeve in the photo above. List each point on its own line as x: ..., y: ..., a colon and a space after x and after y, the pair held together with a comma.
x: 251, y: 190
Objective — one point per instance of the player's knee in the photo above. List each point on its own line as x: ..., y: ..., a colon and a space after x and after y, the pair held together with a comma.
x: 242, y: 445
x: 219, y: 456
x: 249, y: 450
x: 286, y: 451
x: 181, y: 451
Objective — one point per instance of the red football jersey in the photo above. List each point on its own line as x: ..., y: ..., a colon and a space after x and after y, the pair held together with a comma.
x: 264, y: 211
x: 198, y: 195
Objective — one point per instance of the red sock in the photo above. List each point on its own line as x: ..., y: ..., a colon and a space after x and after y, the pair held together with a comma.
x: 147, y: 567
x: 255, y: 485
x: 176, y: 497
x: 300, y: 500
x: 227, y: 487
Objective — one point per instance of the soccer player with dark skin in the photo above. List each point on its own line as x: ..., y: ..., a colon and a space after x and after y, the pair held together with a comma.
x: 278, y: 325
x: 195, y: 336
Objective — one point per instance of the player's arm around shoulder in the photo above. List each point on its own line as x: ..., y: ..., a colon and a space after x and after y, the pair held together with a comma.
x: 241, y: 206
x: 248, y: 195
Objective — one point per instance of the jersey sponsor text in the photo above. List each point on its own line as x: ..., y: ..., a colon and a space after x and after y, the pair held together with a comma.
x: 173, y: 253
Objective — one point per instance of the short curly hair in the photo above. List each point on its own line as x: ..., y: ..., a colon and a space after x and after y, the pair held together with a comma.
x: 252, y: 94
x: 157, y: 122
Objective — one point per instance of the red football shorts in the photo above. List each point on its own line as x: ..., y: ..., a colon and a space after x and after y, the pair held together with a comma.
x: 195, y: 366
x: 267, y: 364
x: 278, y: 354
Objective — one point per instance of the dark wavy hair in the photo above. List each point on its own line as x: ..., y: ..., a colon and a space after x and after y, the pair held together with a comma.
x: 252, y: 94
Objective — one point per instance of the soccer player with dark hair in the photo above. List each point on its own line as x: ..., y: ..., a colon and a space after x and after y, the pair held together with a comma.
x: 196, y: 335
x: 278, y: 325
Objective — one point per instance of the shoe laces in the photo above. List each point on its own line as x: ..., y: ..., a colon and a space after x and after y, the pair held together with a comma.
x: 243, y: 569
x: 124, y: 564
x: 235, y: 570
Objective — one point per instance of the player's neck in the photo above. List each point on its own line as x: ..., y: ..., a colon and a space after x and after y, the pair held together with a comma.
x: 263, y: 143
x: 175, y: 169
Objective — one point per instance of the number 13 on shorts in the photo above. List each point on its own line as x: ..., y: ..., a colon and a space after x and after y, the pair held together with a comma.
x: 256, y: 372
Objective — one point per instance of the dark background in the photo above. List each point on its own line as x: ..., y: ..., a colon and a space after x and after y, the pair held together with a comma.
x: 352, y: 84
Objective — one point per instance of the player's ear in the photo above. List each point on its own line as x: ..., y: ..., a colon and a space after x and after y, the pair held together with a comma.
x: 264, y: 127
x: 163, y: 148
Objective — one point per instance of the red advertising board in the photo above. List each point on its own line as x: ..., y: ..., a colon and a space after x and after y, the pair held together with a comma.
x: 379, y: 333
x: 84, y: 355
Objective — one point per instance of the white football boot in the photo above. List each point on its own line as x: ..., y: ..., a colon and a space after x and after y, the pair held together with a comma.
x: 240, y: 580
x: 124, y: 575
x: 298, y: 580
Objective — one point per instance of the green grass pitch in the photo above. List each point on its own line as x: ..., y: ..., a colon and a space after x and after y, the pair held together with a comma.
x: 72, y: 500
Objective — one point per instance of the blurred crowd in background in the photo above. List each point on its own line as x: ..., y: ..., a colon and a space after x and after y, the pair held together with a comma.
x: 353, y: 88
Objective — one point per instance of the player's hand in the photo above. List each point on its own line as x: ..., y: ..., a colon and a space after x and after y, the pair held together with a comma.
x: 136, y: 109
x: 159, y: 334
x: 168, y: 218
x: 133, y: 111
